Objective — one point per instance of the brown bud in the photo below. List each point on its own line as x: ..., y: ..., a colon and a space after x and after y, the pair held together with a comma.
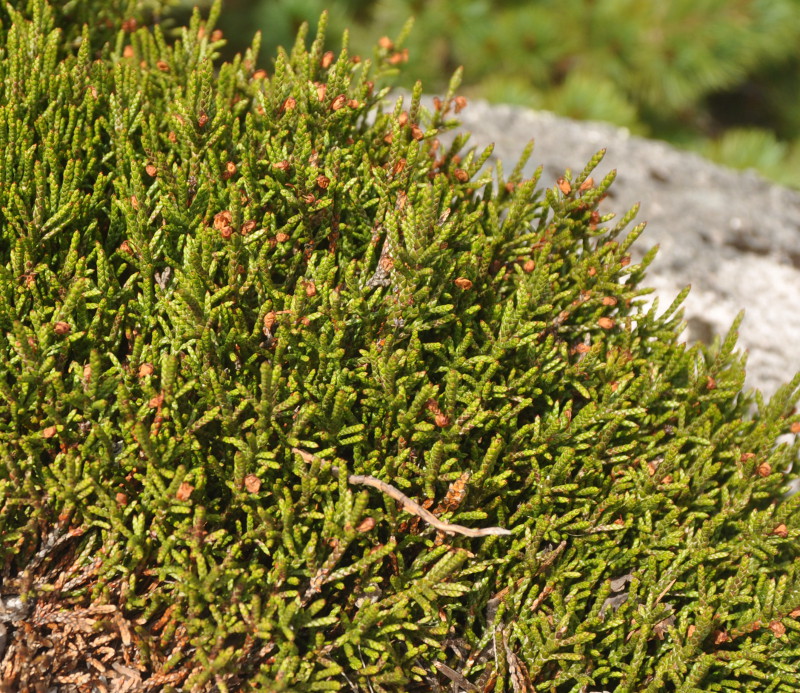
x: 461, y: 175
x: 172, y: 136
x: 289, y: 104
x: 386, y: 43
x: 402, y: 119
x: 157, y: 401
x: 247, y: 227
x: 127, y: 52
x: 777, y: 628
x: 442, y: 420
x: 461, y: 103
x: 282, y: 165
x: 222, y: 219
x: 781, y: 531
x: 323, y: 181
x: 309, y: 199
x: 260, y: 74
x: 588, y: 183
x: 399, y: 57
x: 230, y: 170
x: 61, y: 328
x: 564, y: 186
x: 354, y: 103
x: 269, y: 321
x: 529, y: 266
x: 338, y: 102
x: 795, y: 427
x: 606, y: 323
x: 690, y: 630
x: 416, y: 132
x: 202, y: 120
x: 365, y: 525
x: 398, y: 167
x: 146, y: 369
x: 151, y: 170
x: 310, y: 289
x: 591, y: 271
x: 463, y: 283
x: 184, y: 491
x: 87, y: 372
x: 121, y: 498
x: 711, y: 384
x: 226, y: 232
x: 49, y: 432
x: 609, y: 301
x: 163, y: 66
x: 252, y: 483
x: 582, y: 348
x: 321, y: 89
x: 327, y: 60
x: 281, y: 237
x: 764, y: 469
x: 134, y: 202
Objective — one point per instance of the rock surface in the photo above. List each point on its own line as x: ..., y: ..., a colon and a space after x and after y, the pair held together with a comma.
x: 733, y: 236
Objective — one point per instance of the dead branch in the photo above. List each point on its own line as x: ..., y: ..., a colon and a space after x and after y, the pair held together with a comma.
x: 409, y: 505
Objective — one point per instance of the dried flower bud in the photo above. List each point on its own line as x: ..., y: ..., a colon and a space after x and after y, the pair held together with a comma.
x: 398, y: 167
x: 184, y: 491
x: 777, y: 628
x: 764, y: 469
x: 338, y: 102
x: 461, y: 175
x: 282, y: 237
x: 222, y: 219
x: 282, y: 165
x: 781, y: 531
x: 216, y: 35
x: 711, y: 384
x: 441, y: 420
x: 416, y: 132
x: 399, y: 57
x: 588, y: 183
x: 592, y: 271
x: 252, y: 483
x: 323, y: 182
x: 127, y: 52
x: 309, y: 199
x: 172, y: 136
x: 260, y: 74
x: 437, y: 103
x: 269, y: 321
x: 606, y: 323
x: 226, y: 232
x: 795, y: 427
x: 130, y: 25
x: 121, y: 498
x: 146, y: 369
x: 529, y: 266
x: 609, y: 301
x: 230, y: 170
x: 61, y: 328
x: 461, y: 103
x: 327, y: 60
x: 365, y: 525
x: 582, y: 348
x: 247, y: 227
x: 321, y: 91
x: 157, y: 401
x: 289, y: 104
x: 163, y: 66
x: 625, y: 260
x: 49, y: 432
x: 463, y: 283
x: 134, y: 202
x: 151, y: 170
x: 564, y: 186
x: 202, y: 120
x: 354, y: 103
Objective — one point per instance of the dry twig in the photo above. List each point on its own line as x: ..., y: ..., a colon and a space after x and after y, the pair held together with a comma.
x: 409, y: 505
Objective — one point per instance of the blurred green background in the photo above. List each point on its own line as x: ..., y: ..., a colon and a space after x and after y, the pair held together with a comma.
x: 720, y: 77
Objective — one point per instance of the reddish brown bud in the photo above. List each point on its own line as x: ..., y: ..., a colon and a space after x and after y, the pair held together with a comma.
x: 163, y: 66
x: 339, y: 102
x: 61, y: 328
x: 260, y: 74
x: 327, y: 60
x: 247, y: 227
x: 222, y: 219
x: 281, y: 237
x: 463, y: 283
x: 184, y: 491
x: 151, y: 170
x: 323, y: 182
x: 461, y: 175
x: 252, y: 483
x: 202, y: 120
x: 606, y: 323
x: 146, y: 369
x: 49, y: 432
x: 461, y: 103
x: 289, y: 104
x: 230, y: 170
x: 564, y: 186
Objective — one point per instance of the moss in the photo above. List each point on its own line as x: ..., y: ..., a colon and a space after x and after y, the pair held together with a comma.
x: 227, y: 296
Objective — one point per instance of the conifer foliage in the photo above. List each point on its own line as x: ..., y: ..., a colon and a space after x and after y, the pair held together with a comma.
x: 236, y: 307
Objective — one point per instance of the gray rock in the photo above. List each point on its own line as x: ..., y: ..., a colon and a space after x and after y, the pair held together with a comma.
x: 733, y: 236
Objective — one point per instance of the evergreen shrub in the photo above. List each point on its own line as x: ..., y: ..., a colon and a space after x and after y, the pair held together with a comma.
x: 242, y: 314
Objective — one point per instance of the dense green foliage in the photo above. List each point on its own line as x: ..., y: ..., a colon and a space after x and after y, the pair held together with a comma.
x: 203, y: 267
x: 719, y: 76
